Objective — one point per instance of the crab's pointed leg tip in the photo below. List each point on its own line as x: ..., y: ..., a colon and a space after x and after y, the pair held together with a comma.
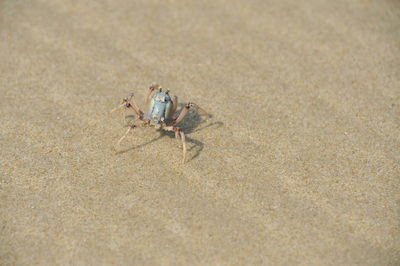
x: 115, y: 149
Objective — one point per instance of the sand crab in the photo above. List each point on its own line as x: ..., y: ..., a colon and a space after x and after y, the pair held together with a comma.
x: 160, y: 114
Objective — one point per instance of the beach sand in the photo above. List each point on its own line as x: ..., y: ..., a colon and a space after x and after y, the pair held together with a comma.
x: 298, y: 165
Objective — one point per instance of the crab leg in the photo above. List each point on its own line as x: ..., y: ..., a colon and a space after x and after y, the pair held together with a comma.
x: 132, y: 104
x: 123, y: 111
x: 185, y: 111
x: 179, y: 131
x: 129, y: 102
x: 126, y: 133
x: 174, y: 100
x: 152, y: 89
x: 183, y: 145
x: 117, y: 108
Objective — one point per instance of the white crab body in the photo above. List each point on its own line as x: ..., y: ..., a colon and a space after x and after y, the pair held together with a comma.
x: 160, y: 108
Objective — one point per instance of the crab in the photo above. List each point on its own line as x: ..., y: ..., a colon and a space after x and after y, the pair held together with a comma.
x: 161, y: 113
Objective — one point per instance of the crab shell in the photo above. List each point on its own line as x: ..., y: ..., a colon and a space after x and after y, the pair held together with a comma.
x: 160, y: 108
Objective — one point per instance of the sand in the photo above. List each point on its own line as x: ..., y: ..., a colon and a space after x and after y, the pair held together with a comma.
x: 298, y: 165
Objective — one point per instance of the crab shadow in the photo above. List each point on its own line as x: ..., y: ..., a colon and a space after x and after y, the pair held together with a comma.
x: 193, y: 122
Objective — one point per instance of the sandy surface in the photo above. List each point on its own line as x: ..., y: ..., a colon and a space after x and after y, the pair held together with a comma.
x: 298, y: 165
